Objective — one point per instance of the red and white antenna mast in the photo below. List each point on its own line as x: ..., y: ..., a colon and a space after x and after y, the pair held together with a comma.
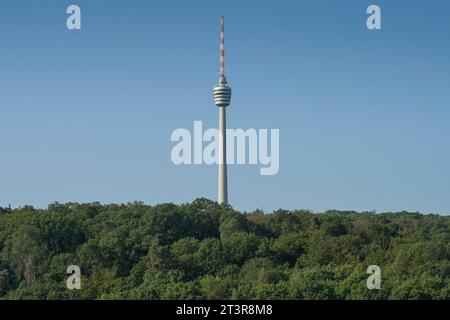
x: 222, y: 45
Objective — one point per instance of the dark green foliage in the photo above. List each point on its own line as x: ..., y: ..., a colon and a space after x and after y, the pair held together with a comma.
x: 206, y: 251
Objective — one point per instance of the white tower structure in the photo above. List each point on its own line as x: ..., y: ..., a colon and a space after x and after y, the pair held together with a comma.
x: 222, y: 97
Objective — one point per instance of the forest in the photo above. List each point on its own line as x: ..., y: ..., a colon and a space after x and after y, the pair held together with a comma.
x: 202, y: 250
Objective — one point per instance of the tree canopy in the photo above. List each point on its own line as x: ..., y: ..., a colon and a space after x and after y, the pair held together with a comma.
x: 203, y: 250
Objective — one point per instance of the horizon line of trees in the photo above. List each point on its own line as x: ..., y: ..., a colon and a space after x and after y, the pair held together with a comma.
x: 202, y: 250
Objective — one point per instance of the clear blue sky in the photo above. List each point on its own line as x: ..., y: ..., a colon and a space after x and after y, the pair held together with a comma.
x: 363, y: 115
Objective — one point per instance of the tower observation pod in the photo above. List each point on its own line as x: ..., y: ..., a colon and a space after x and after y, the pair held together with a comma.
x: 222, y: 98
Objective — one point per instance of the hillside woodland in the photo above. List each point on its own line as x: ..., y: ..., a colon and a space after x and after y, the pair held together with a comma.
x: 202, y: 250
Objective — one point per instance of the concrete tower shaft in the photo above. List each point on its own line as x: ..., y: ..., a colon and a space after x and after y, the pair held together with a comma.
x: 222, y: 98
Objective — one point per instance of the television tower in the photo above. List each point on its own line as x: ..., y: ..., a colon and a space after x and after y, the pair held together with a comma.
x: 222, y: 97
